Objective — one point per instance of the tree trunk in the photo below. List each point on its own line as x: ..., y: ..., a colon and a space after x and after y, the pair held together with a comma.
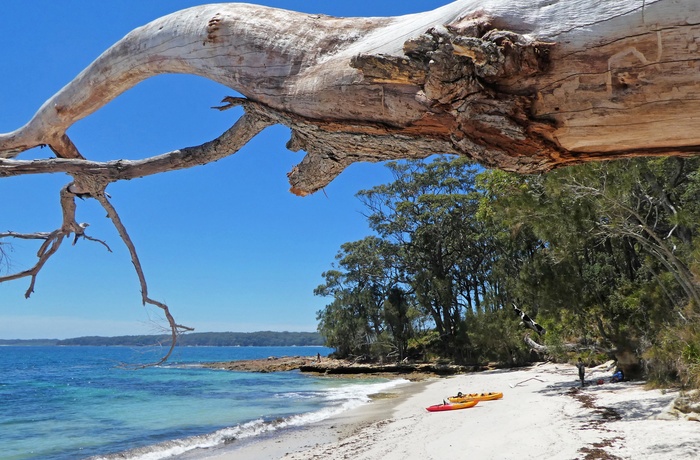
x: 524, y: 85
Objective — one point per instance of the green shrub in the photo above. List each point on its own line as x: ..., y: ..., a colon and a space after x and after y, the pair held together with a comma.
x: 675, y: 355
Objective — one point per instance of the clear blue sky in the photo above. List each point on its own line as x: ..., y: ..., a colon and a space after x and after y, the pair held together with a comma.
x: 225, y: 245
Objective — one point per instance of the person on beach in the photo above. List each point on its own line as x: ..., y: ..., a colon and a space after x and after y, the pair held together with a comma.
x: 581, y: 371
x: 618, y: 376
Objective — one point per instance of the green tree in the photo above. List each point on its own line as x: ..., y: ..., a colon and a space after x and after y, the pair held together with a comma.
x: 603, y: 255
x: 616, y: 247
x: 429, y: 213
x: 398, y: 316
x: 354, y: 322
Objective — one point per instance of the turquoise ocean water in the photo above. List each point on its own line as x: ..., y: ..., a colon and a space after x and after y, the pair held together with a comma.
x: 77, y: 402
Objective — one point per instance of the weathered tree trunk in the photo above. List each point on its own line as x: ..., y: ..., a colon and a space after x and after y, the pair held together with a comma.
x: 521, y: 85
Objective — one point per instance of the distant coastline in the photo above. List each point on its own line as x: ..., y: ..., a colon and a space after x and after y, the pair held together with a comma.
x: 195, y: 339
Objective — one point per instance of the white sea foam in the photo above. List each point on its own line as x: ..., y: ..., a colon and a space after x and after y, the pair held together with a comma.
x: 334, y: 400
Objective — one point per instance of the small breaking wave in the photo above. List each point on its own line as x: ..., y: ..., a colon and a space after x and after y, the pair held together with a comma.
x: 334, y: 401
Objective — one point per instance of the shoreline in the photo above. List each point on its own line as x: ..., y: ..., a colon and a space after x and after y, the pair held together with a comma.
x: 543, y: 413
x: 299, y: 439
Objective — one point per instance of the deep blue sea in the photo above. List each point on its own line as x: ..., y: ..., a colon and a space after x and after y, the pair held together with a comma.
x: 61, y: 403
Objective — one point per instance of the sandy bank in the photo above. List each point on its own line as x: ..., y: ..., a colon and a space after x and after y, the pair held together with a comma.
x: 543, y: 414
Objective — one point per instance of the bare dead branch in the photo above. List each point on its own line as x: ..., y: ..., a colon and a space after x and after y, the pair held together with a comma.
x: 91, y: 179
x: 89, y: 238
x: 175, y: 328
x: 49, y: 248
x: 52, y: 240
x: 246, y: 127
x: 26, y: 236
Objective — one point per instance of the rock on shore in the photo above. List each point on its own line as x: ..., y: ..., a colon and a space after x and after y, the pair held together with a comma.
x: 329, y: 366
x: 271, y: 364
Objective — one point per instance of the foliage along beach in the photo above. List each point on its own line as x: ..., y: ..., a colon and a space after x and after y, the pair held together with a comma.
x: 599, y: 256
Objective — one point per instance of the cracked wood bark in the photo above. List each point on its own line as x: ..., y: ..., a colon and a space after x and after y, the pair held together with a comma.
x: 524, y: 85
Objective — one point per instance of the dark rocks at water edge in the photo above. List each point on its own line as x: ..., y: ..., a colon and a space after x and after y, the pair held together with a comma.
x: 345, y: 367
x: 271, y: 364
x: 328, y: 366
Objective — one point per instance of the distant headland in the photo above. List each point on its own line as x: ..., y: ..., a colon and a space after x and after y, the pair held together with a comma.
x: 194, y: 339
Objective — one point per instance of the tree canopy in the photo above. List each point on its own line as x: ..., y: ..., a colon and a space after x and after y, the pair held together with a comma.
x: 603, y: 255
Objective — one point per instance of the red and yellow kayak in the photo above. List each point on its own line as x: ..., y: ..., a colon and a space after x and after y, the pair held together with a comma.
x: 452, y: 406
x: 475, y: 396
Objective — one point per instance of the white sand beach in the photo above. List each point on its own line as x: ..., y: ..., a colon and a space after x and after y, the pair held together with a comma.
x: 544, y: 414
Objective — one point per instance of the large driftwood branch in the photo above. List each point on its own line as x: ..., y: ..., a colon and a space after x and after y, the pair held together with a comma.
x: 569, y: 347
x: 522, y: 85
x: 99, y: 174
